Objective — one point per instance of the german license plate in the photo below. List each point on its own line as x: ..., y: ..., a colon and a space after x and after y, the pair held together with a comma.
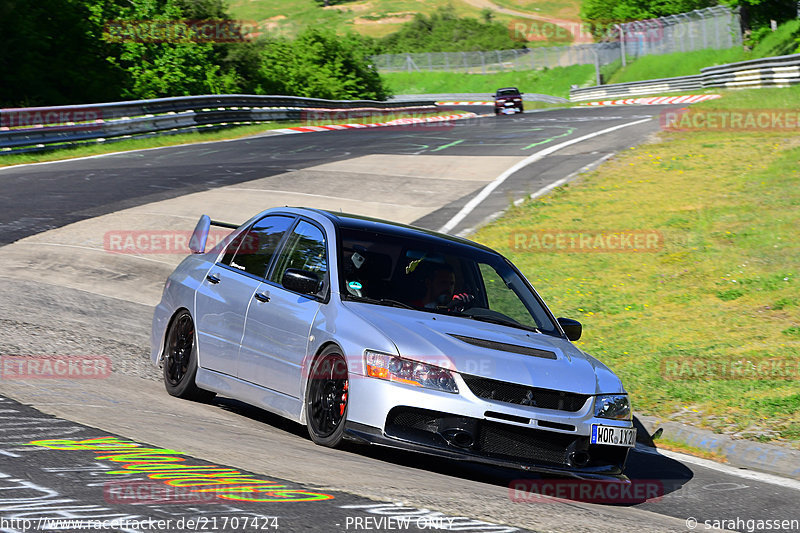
x: 615, y: 436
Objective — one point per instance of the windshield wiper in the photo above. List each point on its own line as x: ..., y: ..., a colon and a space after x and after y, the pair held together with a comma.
x: 382, y: 301
x: 502, y: 321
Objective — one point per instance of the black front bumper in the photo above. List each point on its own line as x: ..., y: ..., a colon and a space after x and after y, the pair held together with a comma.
x: 493, y: 443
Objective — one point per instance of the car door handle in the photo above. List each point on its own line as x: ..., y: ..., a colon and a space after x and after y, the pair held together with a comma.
x: 262, y: 297
x: 213, y: 278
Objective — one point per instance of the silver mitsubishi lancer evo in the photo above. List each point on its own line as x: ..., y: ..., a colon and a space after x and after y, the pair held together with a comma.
x: 381, y: 333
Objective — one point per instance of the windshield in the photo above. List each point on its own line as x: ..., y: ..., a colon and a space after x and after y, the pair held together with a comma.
x: 434, y: 276
x: 508, y: 92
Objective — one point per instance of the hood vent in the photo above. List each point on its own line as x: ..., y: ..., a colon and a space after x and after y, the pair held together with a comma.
x: 503, y: 347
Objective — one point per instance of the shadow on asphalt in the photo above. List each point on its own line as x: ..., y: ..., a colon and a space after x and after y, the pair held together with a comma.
x: 652, y: 475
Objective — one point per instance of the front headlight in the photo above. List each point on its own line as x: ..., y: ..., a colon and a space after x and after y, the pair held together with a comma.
x: 394, y: 368
x: 613, y: 406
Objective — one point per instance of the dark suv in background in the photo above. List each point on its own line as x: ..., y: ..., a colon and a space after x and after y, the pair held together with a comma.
x: 507, y: 99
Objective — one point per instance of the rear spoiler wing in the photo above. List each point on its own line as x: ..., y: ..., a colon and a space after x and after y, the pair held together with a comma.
x: 197, y: 244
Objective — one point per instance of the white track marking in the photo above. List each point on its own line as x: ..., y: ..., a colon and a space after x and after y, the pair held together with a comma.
x: 486, y: 191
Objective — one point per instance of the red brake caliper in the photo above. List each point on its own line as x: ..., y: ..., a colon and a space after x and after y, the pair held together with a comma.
x: 344, y: 399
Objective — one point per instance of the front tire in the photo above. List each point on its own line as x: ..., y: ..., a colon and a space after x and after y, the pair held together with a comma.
x: 180, y: 360
x: 327, y: 398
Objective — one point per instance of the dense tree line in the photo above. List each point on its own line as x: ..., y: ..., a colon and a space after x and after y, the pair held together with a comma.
x: 83, y: 51
x: 754, y: 13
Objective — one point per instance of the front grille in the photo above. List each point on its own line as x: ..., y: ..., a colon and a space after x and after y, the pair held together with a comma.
x: 501, y: 391
x: 490, y: 439
x: 503, y: 440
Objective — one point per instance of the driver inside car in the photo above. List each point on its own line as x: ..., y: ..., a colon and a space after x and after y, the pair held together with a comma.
x: 440, y: 283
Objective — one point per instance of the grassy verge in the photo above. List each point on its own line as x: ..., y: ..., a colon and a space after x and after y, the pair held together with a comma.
x: 181, y: 138
x: 719, y: 298
x: 782, y: 41
x: 554, y: 81
x: 678, y: 64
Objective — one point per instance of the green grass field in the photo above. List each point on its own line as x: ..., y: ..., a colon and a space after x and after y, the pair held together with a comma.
x: 565, y: 9
x: 375, y: 18
x: 721, y: 291
x: 678, y: 64
x: 554, y: 82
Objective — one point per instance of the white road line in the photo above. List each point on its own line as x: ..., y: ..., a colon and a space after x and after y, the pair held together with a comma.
x: 725, y: 469
x: 486, y: 191
x: 586, y: 168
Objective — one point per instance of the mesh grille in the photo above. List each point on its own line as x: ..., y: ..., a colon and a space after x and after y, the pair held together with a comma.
x: 522, y: 443
x: 501, y: 391
x: 414, y: 418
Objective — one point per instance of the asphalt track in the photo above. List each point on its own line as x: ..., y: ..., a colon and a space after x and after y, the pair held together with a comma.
x: 37, y: 198
x: 42, y: 197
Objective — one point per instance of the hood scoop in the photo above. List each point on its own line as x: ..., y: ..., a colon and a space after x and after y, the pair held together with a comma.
x: 504, y: 347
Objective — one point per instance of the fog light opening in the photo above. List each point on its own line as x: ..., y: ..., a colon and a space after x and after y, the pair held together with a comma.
x: 579, y: 459
x: 458, y: 437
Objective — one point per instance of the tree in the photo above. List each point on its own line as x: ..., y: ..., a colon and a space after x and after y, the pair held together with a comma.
x: 320, y: 64
x: 52, y: 52
x: 182, y: 65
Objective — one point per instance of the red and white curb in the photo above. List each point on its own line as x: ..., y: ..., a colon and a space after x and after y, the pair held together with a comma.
x: 658, y: 100
x: 395, y: 122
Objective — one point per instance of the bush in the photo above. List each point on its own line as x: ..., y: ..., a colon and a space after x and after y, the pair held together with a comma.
x: 319, y: 64
x: 780, y: 42
x: 444, y: 31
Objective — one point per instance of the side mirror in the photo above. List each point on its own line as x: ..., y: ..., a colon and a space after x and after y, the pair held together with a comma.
x: 301, y: 281
x: 197, y: 244
x: 572, y: 328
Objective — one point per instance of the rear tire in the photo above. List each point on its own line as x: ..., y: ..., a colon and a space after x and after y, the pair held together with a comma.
x: 327, y: 398
x: 180, y: 360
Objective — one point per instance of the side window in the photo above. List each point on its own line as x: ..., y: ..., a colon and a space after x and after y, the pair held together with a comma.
x: 502, y: 299
x: 304, y: 250
x: 252, y: 251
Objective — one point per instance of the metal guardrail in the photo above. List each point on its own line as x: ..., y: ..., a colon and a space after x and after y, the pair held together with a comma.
x: 638, y: 88
x: 778, y: 71
x: 41, y: 128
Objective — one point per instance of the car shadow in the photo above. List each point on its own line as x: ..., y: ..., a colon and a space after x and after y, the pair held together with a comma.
x: 652, y: 475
